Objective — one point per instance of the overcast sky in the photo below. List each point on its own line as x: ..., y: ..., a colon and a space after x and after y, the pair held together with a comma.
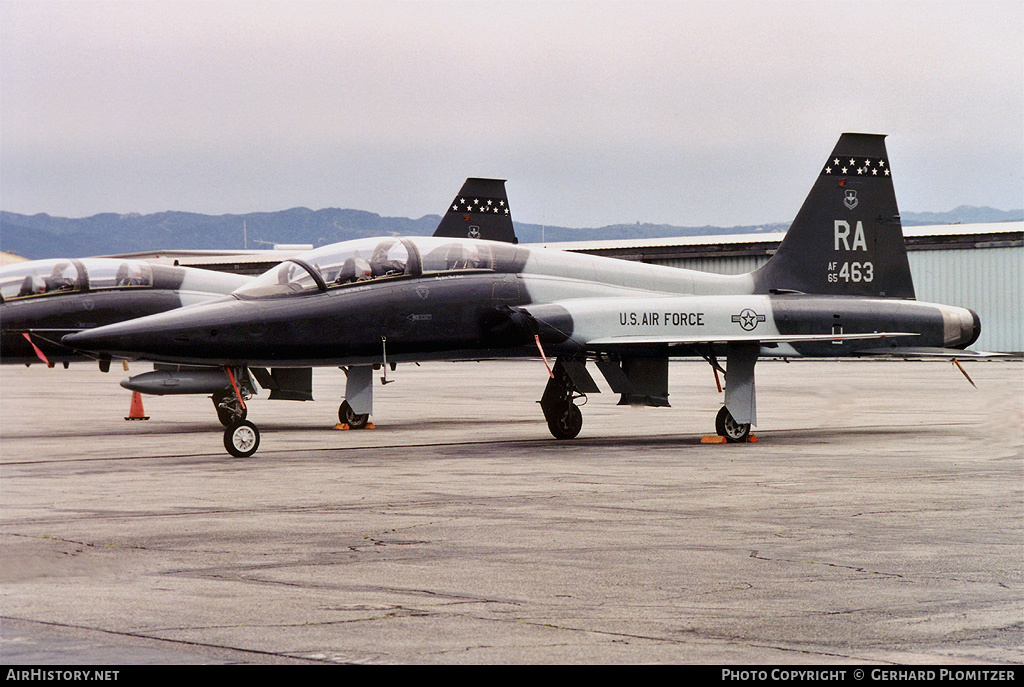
x: 686, y: 113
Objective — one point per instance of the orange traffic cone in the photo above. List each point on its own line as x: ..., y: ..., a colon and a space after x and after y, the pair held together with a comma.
x: 136, y: 412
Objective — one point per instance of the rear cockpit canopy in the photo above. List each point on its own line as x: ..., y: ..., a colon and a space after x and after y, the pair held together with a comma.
x: 362, y: 261
x: 62, y: 276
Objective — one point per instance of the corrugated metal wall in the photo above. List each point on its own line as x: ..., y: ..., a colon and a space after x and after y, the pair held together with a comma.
x: 729, y: 265
x: 990, y: 281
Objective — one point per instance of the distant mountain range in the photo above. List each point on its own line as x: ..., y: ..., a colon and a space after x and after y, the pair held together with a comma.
x: 42, y: 236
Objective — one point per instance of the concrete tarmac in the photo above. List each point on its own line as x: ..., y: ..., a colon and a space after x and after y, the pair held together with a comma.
x: 879, y: 519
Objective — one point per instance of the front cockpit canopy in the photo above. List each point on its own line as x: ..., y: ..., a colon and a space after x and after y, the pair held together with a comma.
x: 367, y: 260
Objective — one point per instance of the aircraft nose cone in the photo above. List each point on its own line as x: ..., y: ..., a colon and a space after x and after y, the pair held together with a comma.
x: 184, y: 332
x: 123, y: 337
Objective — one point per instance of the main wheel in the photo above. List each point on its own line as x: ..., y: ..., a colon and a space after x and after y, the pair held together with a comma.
x: 228, y: 409
x: 242, y: 439
x: 351, y: 418
x: 726, y: 426
x: 566, y: 422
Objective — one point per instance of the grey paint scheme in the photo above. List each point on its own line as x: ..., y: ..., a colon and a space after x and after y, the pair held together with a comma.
x: 838, y: 285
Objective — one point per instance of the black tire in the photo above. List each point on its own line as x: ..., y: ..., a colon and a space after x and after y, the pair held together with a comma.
x: 349, y: 417
x: 227, y: 416
x: 734, y: 432
x: 242, y: 439
x: 566, y: 422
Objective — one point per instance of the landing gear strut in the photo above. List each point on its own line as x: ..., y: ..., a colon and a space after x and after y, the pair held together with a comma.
x: 229, y: 410
x: 559, y: 404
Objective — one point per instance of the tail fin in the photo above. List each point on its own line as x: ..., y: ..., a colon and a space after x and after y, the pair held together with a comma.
x: 480, y: 211
x: 847, y: 238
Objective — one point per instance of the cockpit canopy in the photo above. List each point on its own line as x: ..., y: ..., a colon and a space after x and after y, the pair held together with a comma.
x: 51, y: 277
x: 364, y: 260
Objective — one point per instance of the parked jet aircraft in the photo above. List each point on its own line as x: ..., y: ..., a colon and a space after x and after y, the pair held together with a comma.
x: 838, y: 285
x: 42, y: 300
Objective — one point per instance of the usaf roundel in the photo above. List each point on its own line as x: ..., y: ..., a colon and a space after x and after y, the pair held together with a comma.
x: 748, y: 319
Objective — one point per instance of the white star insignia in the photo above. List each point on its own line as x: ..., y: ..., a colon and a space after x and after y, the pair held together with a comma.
x: 828, y: 170
x: 844, y: 170
x: 835, y: 161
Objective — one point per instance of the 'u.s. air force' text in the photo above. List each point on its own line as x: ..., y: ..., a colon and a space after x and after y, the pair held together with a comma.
x: 659, y: 319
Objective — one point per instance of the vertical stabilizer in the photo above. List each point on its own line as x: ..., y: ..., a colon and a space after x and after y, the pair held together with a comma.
x: 847, y: 238
x: 480, y: 211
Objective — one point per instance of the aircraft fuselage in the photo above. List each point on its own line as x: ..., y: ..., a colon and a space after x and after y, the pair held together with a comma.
x: 478, y: 312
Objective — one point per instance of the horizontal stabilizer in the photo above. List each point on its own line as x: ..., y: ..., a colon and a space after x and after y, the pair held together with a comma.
x: 922, y: 352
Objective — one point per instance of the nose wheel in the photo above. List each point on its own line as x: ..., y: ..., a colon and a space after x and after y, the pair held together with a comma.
x: 242, y: 439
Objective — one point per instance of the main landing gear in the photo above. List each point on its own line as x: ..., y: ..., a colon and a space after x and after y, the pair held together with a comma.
x: 739, y: 413
x: 559, y: 404
x: 357, y: 407
x: 644, y: 382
